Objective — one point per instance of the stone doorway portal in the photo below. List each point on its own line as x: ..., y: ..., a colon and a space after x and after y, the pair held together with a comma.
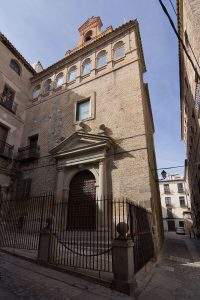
x: 81, y: 203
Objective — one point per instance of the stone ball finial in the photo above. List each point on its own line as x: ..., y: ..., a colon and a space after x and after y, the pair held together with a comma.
x: 122, y: 229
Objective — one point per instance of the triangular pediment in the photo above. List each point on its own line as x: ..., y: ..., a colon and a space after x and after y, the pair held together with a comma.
x: 81, y: 142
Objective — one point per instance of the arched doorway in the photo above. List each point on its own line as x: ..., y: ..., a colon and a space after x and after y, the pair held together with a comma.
x: 81, y: 203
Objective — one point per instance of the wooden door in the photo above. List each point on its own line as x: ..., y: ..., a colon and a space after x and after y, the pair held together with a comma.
x: 171, y: 225
x: 81, y: 204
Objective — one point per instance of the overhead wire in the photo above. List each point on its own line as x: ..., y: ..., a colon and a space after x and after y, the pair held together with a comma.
x: 178, y: 36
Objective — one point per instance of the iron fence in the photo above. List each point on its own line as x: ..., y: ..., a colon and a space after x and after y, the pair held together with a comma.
x: 83, y: 235
x: 141, y: 233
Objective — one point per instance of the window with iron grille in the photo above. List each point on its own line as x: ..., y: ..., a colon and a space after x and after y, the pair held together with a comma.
x: 8, y: 95
x: 168, y: 201
x: 166, y: 188
x: 182, y: 201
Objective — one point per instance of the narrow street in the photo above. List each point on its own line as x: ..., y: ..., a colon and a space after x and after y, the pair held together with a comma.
x: 175, y: 277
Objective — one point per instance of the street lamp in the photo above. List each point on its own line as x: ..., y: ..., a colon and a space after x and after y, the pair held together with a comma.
x: 164, y: 174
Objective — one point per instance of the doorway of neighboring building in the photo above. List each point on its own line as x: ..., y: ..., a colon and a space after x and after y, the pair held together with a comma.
x: 81, y: 203
x: 171, y: 225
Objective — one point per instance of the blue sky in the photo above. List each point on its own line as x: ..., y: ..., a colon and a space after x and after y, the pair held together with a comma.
x: 45, y: 29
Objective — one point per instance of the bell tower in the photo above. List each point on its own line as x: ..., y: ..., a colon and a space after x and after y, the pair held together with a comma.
x: 90, y: 29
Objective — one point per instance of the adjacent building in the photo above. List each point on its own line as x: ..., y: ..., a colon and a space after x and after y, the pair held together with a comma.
x: 175, y: 202
x: 188, y: 13
x: 86, y: 123
x: 15, y: 85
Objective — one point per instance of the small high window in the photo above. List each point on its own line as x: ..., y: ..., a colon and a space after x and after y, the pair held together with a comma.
x: 166, y: 188
x: 118, y: 50
x: 101, y: 59
x: 180, y: 187
x: 47, y: 86
x: 72, y: 73
x: 168, y: 201
x: 86, y: 66
x: 59, y: 80
x: 83, y: 110
x: 15, y: 66
x: 36, y: 92
x: 88, y: 36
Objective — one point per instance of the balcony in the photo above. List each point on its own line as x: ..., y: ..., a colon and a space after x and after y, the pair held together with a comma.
x: 8, y: 104
x: 6, y: 150
x: 181, y: 191
x: 28, y: 153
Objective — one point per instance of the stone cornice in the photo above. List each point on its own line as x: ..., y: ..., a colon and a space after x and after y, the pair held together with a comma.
x: 99, y: 40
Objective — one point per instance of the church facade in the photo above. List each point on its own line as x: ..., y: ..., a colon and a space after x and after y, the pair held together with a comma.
x: 86, y: 123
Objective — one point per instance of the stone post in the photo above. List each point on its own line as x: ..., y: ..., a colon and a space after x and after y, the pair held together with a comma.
x: 123, y: 262
x: 44, y: 245
x: 49, y: 247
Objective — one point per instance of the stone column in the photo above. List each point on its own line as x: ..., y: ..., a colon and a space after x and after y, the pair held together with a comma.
x: 103, y: 209
x: 101, y: 179
x: 60, y: 209
x: 60, y: 185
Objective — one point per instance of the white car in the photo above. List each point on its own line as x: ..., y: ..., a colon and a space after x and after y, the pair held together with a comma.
x: 180, y: 230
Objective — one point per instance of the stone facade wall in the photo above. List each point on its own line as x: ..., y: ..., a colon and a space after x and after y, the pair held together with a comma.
x: 118, y: 105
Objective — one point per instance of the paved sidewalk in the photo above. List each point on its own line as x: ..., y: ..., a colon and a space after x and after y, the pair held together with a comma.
x: 20, y: 279
x: 176, y: 276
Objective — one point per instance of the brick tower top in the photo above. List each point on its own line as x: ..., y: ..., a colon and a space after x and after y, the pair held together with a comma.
x: 89, y: 29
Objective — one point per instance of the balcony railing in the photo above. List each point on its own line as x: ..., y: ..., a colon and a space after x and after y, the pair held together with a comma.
x: 28, y: 153
x: 8, y: 104
x: 6, y: 150
x: 181, y: 190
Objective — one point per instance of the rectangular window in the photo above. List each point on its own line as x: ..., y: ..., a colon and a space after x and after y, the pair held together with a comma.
x: 168, y: 201
x: 182, y: 201
x: 83, y: 110
x: 180, y: 187
x: 181, y: 223
x: 166, y: 188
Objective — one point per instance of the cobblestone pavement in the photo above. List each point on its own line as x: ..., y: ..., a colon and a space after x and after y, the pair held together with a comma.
x: 20, y: 279
x: 176, y: 276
